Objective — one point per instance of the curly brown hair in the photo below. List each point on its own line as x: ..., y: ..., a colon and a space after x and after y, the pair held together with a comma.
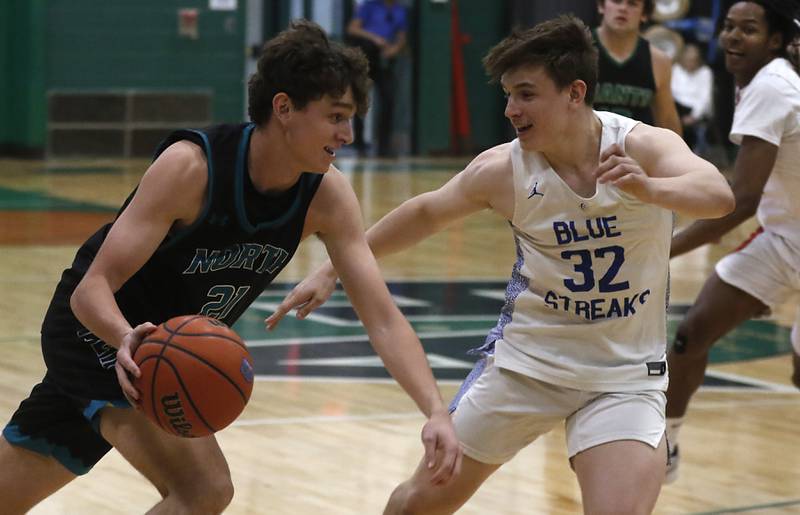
x: 563, y: 45
x: 303, y: 63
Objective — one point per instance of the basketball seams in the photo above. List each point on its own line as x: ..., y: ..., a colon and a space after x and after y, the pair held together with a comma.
x: 214, y: 335
x: 154, y: 375
x: 185, y: 390
x: 158, y: 358
x: 191, y: 318
x: 203, y: 355
x: 209, y: 365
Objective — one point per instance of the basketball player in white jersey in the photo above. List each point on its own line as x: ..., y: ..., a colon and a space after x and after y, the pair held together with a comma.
x: 582, y: 337
x: 763, y: 272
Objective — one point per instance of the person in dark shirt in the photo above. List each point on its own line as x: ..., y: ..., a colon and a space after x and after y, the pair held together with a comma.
x: 215, y: 217
x: 379, y: 28
x: 634, y: 76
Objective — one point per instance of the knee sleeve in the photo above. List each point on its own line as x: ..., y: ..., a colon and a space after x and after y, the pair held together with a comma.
x: 679, y: 345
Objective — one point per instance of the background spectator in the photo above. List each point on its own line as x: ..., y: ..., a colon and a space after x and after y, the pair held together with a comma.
x: 692, y: 84
x: 379, y: 28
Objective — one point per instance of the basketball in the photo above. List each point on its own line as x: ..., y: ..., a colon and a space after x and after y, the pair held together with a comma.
x: 196, y: 375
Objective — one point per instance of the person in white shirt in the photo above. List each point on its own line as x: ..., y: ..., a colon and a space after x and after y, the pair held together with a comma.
x: 581, y: 339
x: 692, y: 85
x: 763, y: 272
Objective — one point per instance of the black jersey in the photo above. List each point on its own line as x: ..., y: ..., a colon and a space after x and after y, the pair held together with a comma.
x: 217, y: 266
x: 626, y: 87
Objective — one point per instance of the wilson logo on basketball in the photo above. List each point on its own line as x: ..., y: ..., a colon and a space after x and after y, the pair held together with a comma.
x: 173, y: 409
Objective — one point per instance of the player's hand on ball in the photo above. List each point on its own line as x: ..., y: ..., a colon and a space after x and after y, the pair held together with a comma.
x: 125, y: 366
x: 442, y: 449
x: 617, y: 168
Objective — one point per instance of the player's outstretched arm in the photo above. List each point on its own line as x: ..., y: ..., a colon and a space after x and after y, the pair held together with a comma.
x: 171, y: 190
x: 753, y: 166
x: 657, y: 167
x: 389, y: 332
x: 477, y: 187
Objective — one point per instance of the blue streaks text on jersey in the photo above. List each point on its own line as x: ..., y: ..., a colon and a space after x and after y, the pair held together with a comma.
x: 597, y: 309
x: 600, y: 227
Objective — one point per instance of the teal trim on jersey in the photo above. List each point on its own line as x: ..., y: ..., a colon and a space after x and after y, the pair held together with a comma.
x: 178, y: 236
x: 41, y: 446
x: 241, y: 169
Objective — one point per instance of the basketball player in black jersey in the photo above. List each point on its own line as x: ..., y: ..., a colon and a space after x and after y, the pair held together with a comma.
x: 634, y: 76
x: 214, y: 219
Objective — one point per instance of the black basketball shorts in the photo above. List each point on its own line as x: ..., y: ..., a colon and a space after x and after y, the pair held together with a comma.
x: 54, y: 423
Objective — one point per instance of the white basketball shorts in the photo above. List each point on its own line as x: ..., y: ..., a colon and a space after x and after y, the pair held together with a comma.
x: 503, y: 411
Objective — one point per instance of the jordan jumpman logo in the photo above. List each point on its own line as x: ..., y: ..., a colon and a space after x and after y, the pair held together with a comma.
x: 534, y: 192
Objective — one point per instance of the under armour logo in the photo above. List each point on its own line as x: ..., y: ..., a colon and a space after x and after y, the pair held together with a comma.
x: 534, y: 192
x: 218, y: 219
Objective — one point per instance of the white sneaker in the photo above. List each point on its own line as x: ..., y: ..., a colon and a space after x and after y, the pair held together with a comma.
x: 672, y: 466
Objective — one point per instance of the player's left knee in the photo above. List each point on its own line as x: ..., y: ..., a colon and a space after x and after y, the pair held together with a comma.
x: 208, y: 495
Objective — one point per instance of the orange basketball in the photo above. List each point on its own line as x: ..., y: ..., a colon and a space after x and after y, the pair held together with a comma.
x: 197, y: 375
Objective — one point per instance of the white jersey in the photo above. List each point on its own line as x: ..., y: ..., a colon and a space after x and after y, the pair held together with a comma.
x: 769, y: 109
x: 586, y: 303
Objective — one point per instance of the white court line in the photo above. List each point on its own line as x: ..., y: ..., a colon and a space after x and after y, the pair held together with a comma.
x: 326, y: 419
x: 775, y: 387
x: 344, y: 380
x: 489, y: 293
x: 752, y: 403
x: 381, y: 380
x: 356, y: 338
x: 314, y: 315
x: 341, y: 300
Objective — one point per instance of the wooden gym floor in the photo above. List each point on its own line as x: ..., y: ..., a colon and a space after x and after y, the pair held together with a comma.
x: 325, y: 432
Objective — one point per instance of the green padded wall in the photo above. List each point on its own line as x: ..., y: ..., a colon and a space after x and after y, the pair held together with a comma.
x: 485, y: 23
x: 22, y: 88
x: 121, y: 44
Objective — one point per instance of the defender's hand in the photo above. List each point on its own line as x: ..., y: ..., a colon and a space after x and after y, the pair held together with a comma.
x: 307, y: 296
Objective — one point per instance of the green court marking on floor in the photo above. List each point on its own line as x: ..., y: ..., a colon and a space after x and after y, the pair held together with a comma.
x: 75, y: 170
x: 753, y: 339
x: 441, y: 307
x: 399, y: 167
x: 754, y: 507
x: 25, y: 200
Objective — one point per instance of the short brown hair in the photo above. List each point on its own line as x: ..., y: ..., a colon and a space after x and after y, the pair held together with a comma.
x: 303, y: 63
x: 649, y: 7
x: 563, y: 46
